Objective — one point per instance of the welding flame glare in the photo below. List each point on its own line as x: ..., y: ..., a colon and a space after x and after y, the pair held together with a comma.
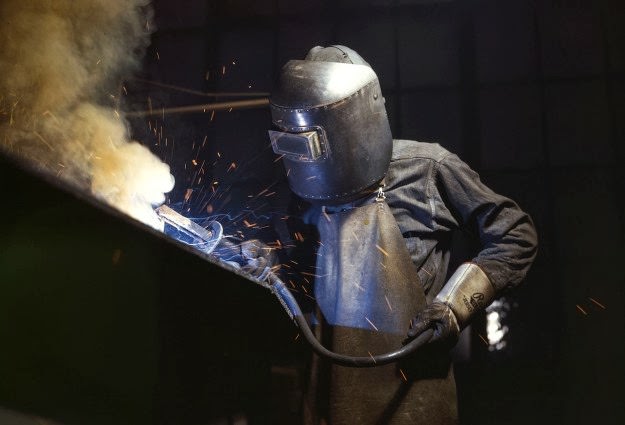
x: 61, y: 63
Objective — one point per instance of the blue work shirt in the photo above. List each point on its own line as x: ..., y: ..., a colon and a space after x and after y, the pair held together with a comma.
x: 432, y: 193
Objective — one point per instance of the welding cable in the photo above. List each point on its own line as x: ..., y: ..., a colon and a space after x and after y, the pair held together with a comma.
x: 289, y: 302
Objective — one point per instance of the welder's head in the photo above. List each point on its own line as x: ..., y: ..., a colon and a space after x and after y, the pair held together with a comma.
x: 330, y: 125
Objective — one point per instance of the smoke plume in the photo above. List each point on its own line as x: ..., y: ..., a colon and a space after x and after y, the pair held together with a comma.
x: 61, y: 66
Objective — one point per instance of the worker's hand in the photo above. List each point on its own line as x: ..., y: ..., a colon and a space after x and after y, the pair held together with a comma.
x: 440, y: 318
x: 258, y: 257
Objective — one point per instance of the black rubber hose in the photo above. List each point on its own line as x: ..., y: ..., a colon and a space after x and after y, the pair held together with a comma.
x: 290, y: 304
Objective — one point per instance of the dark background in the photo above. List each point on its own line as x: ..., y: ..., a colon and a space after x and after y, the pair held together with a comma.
x: 529, y: 93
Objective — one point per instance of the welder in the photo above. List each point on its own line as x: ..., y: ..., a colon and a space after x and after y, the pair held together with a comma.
x: 386, y: 210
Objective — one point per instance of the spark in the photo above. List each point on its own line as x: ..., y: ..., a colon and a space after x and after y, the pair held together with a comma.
x: 425, y: 270
x: 597, y: 302
x: 51, y: 115
x: 233, y: 166
x: 194, y: 162
x: 381, y: 250
x: 388, y: 303
x: 371, y: 323
x: 296, y: 337
x: 372, y: 358
x: 581, y: 309
x: 403, y: 375
x: 483, y: 339
x: 43, y: 140
x: 327, y: 217
x: 223, y: 70
x: 279, y: 158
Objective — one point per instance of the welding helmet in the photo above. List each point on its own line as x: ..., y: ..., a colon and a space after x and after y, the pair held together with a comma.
x: 330, y: 125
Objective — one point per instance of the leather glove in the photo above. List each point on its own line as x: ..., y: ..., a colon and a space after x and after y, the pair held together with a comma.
x: 440, y: 318
x: 258, y: 257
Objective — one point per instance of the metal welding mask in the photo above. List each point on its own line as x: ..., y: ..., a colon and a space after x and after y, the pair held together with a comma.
x: 330, y: 125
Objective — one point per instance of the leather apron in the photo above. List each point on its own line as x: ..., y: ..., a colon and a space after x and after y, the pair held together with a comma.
x: 368, y: 290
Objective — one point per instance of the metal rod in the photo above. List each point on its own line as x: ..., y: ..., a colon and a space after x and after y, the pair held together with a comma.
x: 217, y: 106
x: 201, y: 93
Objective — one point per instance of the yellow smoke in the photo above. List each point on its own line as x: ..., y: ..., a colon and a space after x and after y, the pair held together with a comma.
x: 61, y: 64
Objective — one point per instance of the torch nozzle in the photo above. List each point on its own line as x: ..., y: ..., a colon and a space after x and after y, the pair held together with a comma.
x: 187, y: 231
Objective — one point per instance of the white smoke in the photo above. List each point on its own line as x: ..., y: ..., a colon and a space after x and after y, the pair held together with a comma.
x: 61, y: 64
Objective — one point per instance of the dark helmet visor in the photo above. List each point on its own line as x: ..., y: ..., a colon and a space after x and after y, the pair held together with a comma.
x: 306, y: 146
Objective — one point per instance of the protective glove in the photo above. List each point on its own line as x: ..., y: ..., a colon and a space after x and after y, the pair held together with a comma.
x: 468, y: 291
x: 440, y: 318
x: 258, y: 257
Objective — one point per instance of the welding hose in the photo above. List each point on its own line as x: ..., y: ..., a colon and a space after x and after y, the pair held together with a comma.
x: 288, y: 301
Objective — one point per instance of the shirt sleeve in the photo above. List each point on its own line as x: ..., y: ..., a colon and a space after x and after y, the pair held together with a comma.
x: 507, y: 236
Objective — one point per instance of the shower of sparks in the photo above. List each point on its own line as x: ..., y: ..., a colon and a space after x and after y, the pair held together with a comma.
x: 206, y: 181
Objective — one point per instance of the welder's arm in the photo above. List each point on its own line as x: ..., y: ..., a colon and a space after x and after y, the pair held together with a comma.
x: 508, y: 244
x: 506, y: 234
